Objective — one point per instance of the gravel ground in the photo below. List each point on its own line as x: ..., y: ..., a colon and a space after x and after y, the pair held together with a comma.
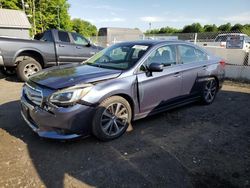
x: 192, y: 146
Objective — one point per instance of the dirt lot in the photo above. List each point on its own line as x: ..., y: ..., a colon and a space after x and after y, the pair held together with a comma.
x: 193, y: 146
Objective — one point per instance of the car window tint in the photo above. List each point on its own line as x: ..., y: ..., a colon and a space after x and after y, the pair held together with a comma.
x: 165, y: 55
x: 187, y: 54
x: 118, y: 54
x: 247, y: 39
x: 201, y: 56
x: 78, y: 39
x: 137, y: 54
x: 47, y: 37
x: 63, y: 36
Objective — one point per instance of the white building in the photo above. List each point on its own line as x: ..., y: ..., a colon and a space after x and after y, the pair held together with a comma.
x: 14, y: 23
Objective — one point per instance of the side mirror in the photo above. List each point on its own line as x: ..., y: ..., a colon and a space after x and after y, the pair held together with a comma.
x: 155, y: 67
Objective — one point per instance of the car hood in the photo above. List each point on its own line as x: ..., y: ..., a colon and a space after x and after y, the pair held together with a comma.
x: 67, y: 76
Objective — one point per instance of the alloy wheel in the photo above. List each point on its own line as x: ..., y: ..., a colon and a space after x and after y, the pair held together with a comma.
x: 210, y: 90
x: 114, y: 119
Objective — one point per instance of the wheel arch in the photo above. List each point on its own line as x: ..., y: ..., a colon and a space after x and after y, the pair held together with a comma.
x: 130, y: 101
x: 127, y: 98
x: 217, y: 81
x: 30, y: 52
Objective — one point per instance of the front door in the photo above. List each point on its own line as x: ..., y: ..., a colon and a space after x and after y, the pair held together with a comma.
x: 159, y: 87
x: 83, y: 48
x: 66, y: 52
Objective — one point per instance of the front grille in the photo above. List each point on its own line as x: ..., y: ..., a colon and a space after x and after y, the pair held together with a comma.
x: 34, y: 95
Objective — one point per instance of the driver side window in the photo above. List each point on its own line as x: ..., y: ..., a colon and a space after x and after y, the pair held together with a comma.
x: 78, y: 39
x: 165, y: 55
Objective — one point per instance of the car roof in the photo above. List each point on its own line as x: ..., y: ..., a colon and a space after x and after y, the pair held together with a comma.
x: 154, y: 42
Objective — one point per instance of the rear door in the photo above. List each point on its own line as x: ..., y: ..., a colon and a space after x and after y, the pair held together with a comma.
x: 159, y: 87
x: 66, y: 52
x: 193, y: 64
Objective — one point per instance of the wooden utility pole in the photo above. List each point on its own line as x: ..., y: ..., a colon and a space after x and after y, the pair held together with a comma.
x: 34, y: 15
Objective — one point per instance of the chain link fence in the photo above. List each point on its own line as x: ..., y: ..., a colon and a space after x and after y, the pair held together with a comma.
x: 205, y: 39
x: 237, y: 57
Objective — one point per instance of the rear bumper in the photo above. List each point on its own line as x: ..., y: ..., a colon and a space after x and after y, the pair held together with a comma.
x: 62, y: 123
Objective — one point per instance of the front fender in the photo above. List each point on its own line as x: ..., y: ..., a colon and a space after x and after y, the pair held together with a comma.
x: 119, y: 86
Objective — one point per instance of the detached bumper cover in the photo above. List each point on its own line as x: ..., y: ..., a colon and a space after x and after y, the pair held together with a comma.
x: 63, y: 123
x: 49, y: 134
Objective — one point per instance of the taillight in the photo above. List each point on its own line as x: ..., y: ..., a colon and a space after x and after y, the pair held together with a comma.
x: 222, y: 63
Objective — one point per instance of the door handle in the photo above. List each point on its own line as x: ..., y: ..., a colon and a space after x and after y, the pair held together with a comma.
x: 204, y: 67
x: 78, y: 47
x: 177, y: 74
x: 61, y: 45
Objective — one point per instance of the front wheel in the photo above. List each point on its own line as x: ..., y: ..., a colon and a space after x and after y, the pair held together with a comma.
x: 28, y: 67
x: 112, y: 118
x: 209, y: 91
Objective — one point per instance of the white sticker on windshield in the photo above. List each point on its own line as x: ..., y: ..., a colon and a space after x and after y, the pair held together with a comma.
x: 141, y: 47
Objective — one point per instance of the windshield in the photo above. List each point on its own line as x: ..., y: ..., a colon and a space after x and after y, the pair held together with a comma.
x: 119, y: 56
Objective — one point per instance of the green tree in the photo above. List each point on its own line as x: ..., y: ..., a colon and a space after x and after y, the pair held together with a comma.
x: 83, y: 27
x: 52, y: 14
x: 11, y: 4
x: 246, y: 29
x: 168, y: 30
x: 237, y: 27
x: 44, y: 14
x: 152, y: 31
x: 225, y: 27
x: 210, y: 28
x: 194, y: 28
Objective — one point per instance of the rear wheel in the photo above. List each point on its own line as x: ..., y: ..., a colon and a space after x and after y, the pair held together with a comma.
x: 209, y: 91
x: 27, y: 67
x: 112, y: 118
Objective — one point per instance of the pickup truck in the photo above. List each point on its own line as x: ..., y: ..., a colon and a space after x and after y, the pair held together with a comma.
x: 53, y: 47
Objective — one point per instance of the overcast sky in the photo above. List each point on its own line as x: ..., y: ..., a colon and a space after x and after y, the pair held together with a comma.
x: 161, y: 13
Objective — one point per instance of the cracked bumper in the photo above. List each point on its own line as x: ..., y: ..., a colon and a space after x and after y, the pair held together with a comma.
x: 63, y: 123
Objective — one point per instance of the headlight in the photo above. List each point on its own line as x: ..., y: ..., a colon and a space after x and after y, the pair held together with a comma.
x: 69, y: 96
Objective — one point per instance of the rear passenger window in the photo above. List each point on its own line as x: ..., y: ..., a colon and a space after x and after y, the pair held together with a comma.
x: 189, y: 54
x: 63, y: 36
x: 201, y: 56
x: 47, y: 37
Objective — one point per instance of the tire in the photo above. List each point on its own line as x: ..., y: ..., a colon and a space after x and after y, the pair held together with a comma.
x: 8, y: 71
x: 209, y: 91
x: 111, y: 118
x: 27, y: 67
